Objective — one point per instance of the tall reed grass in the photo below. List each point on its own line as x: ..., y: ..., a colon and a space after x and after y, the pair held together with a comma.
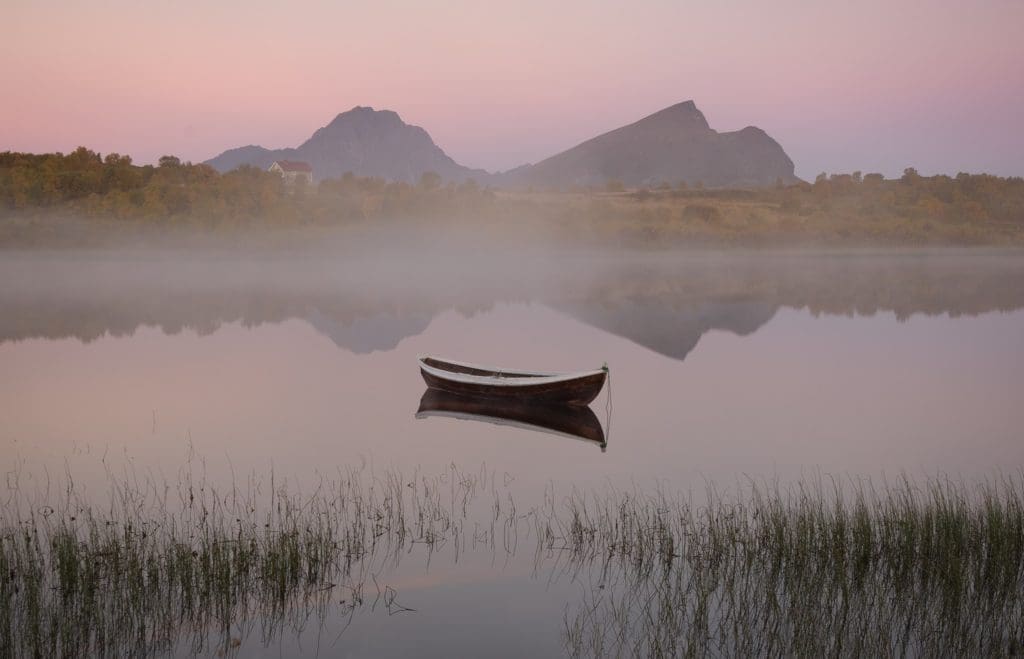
x: 815, y: 568
x: 161, y: 568
x: 810, y: 570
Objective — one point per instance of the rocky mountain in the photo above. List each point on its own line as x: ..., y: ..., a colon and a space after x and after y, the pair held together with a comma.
x: 673, y: 145
x: 363, y: 141
x: 253, y: 155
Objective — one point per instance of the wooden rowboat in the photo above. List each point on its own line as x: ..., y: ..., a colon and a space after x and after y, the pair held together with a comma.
x: 487, y: 382
x: 575, y: 421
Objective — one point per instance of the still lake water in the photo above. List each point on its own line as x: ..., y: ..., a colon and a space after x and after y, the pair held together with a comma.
x: 724, y: 367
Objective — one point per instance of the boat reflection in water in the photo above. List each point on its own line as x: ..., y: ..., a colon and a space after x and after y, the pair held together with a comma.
x: 574, y: 421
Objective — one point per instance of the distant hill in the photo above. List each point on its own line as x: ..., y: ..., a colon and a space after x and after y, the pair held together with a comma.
x: 673, y: 145
x: 363, y: 141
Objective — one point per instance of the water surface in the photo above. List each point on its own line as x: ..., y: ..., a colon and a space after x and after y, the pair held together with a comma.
x: 724, y: 368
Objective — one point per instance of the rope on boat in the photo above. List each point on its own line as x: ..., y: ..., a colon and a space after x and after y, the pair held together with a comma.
x: 607, y: 406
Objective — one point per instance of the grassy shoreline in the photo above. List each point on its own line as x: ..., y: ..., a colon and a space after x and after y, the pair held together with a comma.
x: 84, y: 199
x: 586, y: 221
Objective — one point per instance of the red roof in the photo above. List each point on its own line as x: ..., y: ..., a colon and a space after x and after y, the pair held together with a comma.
x: 294, y: 166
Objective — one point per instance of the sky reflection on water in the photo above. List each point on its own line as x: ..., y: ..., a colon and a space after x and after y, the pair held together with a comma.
x: 719, y: 369
x: 722, y: 369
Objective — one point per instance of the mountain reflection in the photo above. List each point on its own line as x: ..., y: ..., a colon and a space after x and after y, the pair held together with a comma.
x: 673, y: 332
x: 664, y: 302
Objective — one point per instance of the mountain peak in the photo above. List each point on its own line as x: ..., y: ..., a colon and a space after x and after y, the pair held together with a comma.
x: 362, y: 115
x: 685, y: 115
x: 673, y: 144
x: 364, y: 141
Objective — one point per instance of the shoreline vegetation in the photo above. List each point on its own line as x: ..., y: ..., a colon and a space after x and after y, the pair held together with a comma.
x: 86, y: 199
x: 816, y: 568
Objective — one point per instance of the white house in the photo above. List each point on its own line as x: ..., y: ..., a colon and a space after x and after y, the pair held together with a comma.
x: 293, y: 170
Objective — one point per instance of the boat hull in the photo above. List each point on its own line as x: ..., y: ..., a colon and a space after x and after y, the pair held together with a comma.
x: 575, y: 391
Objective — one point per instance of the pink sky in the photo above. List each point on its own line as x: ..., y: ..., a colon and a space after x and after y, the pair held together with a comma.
x: 870, y: 85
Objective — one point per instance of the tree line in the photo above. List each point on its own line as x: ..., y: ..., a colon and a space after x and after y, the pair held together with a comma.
x: 112, y: 191
x: 112, y: 187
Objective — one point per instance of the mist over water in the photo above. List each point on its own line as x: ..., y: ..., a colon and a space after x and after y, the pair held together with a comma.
x: 759, y: 359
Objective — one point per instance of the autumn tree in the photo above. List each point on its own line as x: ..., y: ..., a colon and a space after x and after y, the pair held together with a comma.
x: 430, y: 181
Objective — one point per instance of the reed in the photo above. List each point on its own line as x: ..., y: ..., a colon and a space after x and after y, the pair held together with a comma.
x: 819, y: 567
x: 157, y: 569
x: 815, y: 569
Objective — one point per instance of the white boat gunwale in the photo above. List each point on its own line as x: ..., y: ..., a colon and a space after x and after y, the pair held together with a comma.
x: 498, y: 380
